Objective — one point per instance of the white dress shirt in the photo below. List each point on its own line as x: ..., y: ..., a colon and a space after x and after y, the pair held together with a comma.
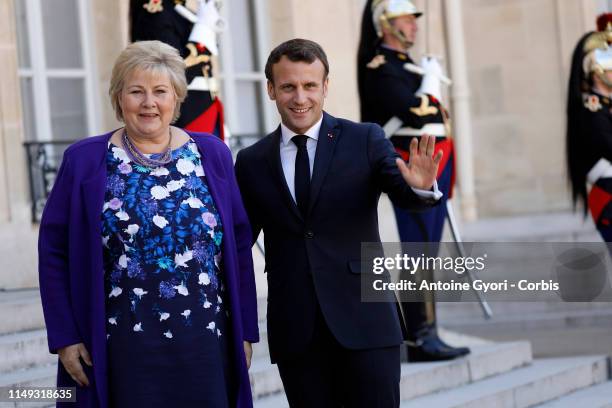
x: 288, y: 152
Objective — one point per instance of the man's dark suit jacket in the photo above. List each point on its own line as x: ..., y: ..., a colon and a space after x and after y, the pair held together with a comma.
x: 316, y: 259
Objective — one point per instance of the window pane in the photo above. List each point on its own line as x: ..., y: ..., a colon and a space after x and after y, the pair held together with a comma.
x: 243, y: 36
x: 62, y: 34
x: 23, y: 40
x: 67, y: 104
x: 250, y: 109
x: 27, y: 106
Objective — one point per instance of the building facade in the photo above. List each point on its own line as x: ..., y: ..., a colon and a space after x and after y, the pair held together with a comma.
x: 57, y: 58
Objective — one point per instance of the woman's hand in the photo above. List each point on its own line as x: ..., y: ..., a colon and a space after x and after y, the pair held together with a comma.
x: 248, y: 353
x: 70, y: 357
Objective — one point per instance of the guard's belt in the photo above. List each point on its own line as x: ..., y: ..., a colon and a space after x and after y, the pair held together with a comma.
x: 601, y: 169
x: 432, y: 129
x: 201, y: 83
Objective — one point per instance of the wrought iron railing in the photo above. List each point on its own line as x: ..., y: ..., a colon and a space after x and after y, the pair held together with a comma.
x: 44, y: 159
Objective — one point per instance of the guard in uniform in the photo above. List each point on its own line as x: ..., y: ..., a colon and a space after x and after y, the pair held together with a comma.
x: 404, y: 98
x: 589, y: 125
x: 190, y: 27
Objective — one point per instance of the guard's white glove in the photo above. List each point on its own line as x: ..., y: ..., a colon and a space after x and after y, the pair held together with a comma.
x: 431, y: 79
x: 205, y: 30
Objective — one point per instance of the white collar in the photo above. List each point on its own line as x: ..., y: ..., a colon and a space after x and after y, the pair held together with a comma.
x: 313, y: 132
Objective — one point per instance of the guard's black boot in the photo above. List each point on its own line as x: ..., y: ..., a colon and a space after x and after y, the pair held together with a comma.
x: 419, y: 329
x: 429, y: 347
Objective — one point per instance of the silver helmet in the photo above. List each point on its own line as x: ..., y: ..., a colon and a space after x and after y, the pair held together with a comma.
x: 385, y: 10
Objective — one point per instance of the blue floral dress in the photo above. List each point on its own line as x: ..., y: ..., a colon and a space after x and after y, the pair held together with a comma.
x: 167, y: 321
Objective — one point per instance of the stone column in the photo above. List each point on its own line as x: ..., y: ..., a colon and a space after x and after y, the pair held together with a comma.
x: 17, y: 234
x: 460, y: 99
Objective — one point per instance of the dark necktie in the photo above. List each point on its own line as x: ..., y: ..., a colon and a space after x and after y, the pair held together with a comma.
x: 302, y: 173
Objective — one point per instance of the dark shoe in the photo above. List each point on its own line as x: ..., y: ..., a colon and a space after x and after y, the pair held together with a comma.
x: 432, y: 348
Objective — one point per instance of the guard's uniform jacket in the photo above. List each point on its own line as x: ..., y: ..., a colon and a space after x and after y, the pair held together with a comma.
x: 598, y: 137
x: 202, y: 111
x: 390, y: 91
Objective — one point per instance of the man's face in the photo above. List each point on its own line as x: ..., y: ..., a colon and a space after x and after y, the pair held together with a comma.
x: 407, y: 25
x: 299, y: 89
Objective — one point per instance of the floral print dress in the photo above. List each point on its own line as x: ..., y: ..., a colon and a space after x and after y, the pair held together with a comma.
x: 167, y: 321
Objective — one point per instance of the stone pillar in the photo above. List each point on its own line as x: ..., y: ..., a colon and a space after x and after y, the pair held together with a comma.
x: 110, y: 36
x: 17, y: 234
x: 14, y: 198
x: 460, y: 98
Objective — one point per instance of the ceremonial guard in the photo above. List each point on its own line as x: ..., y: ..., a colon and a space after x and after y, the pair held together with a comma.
x: 190, y: 26
x: 589, y: 125
x: 404, y: 98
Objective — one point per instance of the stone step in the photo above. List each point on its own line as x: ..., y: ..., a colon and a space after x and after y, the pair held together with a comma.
x: 471, y: 310
x: 24, y: 349
x: 417, y: 379
x: 260, y: 350
x: 540, y: 382
x: 43, y: 376
x: 264, y: 378
x: 551, y: 227
x: 20, y: 310
x: 484, y: 362
x: 532, y: 319
x: 598, y: 396
x: 272, y: 401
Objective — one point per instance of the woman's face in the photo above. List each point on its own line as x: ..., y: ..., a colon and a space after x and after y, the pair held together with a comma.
x: 147, y: 103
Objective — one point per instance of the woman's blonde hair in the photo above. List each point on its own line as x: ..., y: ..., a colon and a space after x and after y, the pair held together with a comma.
x: 151, y: 56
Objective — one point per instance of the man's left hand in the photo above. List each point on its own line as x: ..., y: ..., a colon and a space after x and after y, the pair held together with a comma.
x: 422, y: 167
x: 248, y: 353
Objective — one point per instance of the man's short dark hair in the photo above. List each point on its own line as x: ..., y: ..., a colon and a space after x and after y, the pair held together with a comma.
x: 297, y: 50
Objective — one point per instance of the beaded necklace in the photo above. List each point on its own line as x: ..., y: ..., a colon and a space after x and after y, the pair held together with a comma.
x: 137, y: 156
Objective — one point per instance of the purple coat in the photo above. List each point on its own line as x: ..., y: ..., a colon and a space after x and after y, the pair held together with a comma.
x: 70, y: 260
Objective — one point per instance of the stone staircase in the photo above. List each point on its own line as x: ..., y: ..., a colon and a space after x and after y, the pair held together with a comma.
x: 24, y: 357
x: 495, y: 374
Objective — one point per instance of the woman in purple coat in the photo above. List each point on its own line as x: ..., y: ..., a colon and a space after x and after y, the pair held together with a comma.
x: 146, y: 275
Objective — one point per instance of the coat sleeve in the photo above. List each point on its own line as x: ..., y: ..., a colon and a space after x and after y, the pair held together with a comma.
x: 381, y: 157
x: 53, y: 268
x: 243, y: 237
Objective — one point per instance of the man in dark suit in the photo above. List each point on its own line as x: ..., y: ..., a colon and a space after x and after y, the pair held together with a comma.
x: 331, y: 348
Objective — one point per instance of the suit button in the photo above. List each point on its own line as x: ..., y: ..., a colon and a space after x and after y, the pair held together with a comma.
x: 309, y: 235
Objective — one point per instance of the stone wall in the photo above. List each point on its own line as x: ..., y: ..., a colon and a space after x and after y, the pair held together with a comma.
x: 336, y: 26
x: 519, y: 54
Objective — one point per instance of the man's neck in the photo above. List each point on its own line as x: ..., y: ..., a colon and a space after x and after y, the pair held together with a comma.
x: 601, y: 87
x: 395, y: 46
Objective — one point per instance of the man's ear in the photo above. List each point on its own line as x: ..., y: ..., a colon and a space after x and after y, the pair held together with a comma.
x: 325, y: 86
x: 271, y: 93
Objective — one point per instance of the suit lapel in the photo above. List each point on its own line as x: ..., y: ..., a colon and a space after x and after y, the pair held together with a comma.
x: 328, y: 138
x: 276, y: 169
